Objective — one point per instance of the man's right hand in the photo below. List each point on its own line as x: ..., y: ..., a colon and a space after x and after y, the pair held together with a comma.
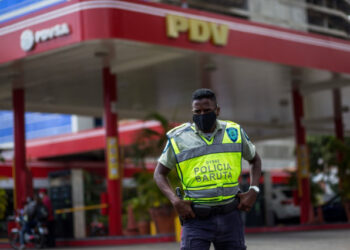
x: 184, y: 209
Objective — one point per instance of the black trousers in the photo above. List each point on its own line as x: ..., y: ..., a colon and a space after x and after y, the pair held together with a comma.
x: 224, y: 231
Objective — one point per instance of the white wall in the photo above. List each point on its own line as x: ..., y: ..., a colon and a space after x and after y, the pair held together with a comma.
x: 285, y: 13
x: 80, y: 123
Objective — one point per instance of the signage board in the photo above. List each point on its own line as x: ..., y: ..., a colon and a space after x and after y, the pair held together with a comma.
x: 37, y: 125
x: 29, y: 38
x: 199, y: 31
x: 12, y: 9
x: 113, y: 158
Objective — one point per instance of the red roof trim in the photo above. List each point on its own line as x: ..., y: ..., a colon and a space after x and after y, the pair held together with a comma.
x: 84, y: 141
x: 247, y: 39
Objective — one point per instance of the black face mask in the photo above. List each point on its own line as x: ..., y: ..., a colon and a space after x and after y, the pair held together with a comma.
x: 205, y: 122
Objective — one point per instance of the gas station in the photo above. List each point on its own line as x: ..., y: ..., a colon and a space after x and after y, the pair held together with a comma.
x: 125, y: 59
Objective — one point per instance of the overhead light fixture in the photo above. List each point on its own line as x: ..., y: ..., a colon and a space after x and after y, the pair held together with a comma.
x: 283, y: 102
x: 101, y: 53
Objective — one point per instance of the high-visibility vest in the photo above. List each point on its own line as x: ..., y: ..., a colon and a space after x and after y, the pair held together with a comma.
x: 208, y: 171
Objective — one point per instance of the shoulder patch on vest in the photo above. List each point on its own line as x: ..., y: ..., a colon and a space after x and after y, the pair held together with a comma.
x: 232, y: 133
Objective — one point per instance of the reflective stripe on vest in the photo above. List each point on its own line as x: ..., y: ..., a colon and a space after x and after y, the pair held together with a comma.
x: 209, y: 172
x: 208, y: 149
x: 213, y: 192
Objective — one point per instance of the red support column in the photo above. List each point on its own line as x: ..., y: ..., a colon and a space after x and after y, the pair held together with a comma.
x: 338, y: 118
x: 302, y: 155
x: 21, y: 176
x: 113, y: 173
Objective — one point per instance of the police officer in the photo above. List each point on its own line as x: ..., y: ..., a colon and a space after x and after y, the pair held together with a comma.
x: 207, y: 157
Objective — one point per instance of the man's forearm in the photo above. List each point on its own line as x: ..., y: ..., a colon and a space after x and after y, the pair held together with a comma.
x: 255, y: 170
x: 160, y: 177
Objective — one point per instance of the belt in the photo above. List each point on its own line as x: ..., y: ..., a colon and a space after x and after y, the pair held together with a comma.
x: 203, y: 211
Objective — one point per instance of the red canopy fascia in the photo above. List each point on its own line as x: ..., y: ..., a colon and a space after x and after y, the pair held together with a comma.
x: 85, y: 141
x: 145, y: 22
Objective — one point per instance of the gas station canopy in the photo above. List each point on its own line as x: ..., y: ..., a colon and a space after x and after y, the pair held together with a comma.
x: 57, y: 56
x: 76, y: 56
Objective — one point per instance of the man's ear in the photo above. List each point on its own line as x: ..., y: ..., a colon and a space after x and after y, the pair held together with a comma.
x: 217, y: 111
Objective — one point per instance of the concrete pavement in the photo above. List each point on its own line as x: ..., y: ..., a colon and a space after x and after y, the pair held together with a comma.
x: 311, y: 240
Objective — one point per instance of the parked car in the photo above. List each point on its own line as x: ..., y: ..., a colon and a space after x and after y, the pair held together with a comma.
x: 283, y: 206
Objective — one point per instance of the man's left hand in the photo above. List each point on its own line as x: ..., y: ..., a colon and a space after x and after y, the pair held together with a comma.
x: 247, y: 200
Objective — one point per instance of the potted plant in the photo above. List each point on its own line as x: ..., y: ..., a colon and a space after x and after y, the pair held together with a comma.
x: 339, y: 154
x: 162, y: 211
x: 328, y: 152
x: 142, y: 216
x: 151, y: 200
x: 150, y: 144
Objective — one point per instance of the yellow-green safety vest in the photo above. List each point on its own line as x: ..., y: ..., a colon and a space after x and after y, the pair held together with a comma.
x: 208, y: 171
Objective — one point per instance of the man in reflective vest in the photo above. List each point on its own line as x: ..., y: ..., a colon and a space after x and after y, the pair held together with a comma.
x: 207, y: 157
